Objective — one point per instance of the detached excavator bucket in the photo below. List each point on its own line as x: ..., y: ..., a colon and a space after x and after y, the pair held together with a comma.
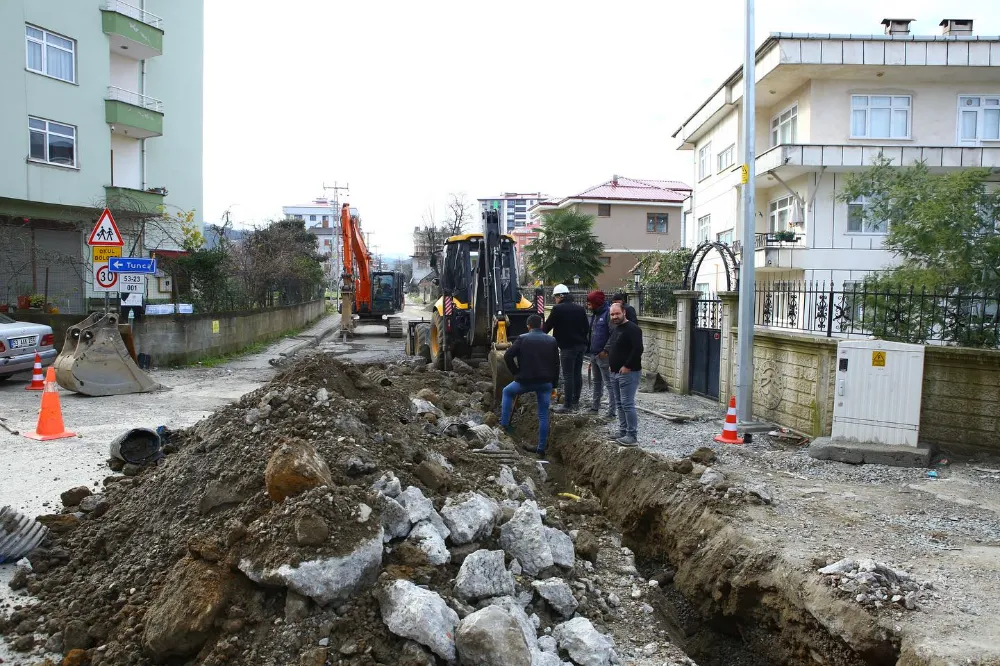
x: 95, y: 361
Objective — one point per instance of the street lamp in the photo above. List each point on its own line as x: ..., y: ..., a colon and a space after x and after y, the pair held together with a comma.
x: 636, y: 276
x: 576, y: 279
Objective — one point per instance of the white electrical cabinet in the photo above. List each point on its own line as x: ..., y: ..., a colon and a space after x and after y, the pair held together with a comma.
x: 877, y: 392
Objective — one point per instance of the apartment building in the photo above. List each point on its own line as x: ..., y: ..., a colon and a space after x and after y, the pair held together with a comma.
x: 513, y: 208
x: 102, y: 107
x: 632, y: 218
x: 322, y: 219
x: 826, y: 106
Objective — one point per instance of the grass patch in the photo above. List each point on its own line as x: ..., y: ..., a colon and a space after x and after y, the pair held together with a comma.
x: 252, y: 348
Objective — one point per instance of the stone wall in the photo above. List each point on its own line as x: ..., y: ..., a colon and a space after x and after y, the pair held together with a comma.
x: 960, y: 409
x: 658, y: 341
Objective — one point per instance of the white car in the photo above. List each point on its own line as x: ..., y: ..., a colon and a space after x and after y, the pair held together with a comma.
x: 20, y: 341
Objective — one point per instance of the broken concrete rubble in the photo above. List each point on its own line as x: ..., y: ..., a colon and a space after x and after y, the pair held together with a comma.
x: 585, y: 645
x: 558, y: 595
x: 482, y: 576
x: 417, y: 506
x: 418, y: 614
x: 470, y: 517
x: 561, y: 546
x: 427, y: 539
x: 523, y: 537
x: 491, y: 637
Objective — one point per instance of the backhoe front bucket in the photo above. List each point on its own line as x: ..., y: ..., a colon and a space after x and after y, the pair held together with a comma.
x: 95, y: 361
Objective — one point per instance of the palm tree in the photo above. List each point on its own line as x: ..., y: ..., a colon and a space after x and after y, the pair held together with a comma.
x: 566, y: 247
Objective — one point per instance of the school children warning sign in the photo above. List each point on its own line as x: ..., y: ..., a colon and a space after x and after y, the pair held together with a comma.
x: 105, y: 231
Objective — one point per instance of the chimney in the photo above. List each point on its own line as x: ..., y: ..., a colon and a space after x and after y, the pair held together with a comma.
x: 956, y: 27
x: 897, y: 26
x: 614, y: 180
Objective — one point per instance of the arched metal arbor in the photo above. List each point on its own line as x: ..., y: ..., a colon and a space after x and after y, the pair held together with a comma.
x: 732, y: 265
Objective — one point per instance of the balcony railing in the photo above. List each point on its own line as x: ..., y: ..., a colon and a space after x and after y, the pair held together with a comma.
x: 769, y: 239
x: 134, y: 12
x: 135, y: 99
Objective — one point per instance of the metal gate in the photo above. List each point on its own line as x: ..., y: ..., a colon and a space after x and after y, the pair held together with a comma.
x: 706, y: 348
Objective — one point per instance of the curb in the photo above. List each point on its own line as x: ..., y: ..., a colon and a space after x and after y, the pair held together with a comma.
x: 310, y: 340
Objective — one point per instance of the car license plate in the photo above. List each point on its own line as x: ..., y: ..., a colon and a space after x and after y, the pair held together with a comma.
x: 21, y: 343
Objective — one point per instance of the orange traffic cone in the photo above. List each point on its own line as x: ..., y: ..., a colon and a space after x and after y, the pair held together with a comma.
x: 50, y: 421
x: 729, y: 435
x: 37, y: 381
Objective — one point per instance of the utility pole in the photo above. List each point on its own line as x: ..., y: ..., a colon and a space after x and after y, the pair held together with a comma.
x: 744, y: 380
x: 335, y: 216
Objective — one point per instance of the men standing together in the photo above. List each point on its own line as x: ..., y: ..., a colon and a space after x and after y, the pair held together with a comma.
x: 569, y: 319
x: 625, y: 362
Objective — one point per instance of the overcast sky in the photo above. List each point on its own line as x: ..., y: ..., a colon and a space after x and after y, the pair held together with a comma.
x: 410, y: 101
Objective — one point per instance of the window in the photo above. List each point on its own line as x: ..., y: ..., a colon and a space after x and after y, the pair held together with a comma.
x: 880, y: 117
x: 312, y: 218
x: 979, y: 118
x: 779, y: 213
x: 727, y: 157
x: 704, y: 161
x: 53, y: 143
x: 726, y: 237
x: 784, y: 126
x: 656, y: 223
x: 704, y: 227
x: 605, y: 261
x: 326, y: 218
x: 297, y: 217
x: 859, y: 220
x: 50, y: 54
x: 603, y: 210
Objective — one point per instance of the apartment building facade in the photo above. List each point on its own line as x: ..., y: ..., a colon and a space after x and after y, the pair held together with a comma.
x: 321, y: 217
x: 513, y: 208
x: 827, y: 106
x: 632, y: 218
x: 102, y: 106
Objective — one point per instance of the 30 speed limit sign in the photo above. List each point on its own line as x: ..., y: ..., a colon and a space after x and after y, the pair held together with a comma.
x: 104, y: 280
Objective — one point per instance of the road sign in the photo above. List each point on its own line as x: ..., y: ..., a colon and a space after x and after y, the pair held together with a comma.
x: 132, y: 265
x: 105, y: 231
x: 102, y: 253
x: 104, y: 280
x: 131, y: 283
x: 744, y: 174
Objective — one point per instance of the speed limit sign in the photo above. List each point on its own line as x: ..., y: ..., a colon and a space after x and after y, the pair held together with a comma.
x: 104, y: 280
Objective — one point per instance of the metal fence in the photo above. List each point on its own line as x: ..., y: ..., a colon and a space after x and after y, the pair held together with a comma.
x: 945, y: 316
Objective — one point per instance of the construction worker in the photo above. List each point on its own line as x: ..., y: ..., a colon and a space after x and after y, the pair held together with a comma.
x: 600, y: 333
x: 625, y: 363
x: 533, y: 359
x: 619, y: 297
x: 569, y: 320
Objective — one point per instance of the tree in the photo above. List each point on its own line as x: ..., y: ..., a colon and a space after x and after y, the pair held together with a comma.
x: 566, y: 247
x: 665, y: 267
x: 943, y: 227
x: 460, y: 213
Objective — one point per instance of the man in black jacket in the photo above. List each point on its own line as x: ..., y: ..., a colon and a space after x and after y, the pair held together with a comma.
x: 629, y: 310
x: 533, y: 359
x: 569, y: 320
x: 625, y: 360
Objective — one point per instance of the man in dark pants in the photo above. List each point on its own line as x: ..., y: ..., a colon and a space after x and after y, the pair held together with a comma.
x: 625, y: 361
x: 629, y: 310
x: 600, y: 332
x: 533, y: 359
x: 569, y: 320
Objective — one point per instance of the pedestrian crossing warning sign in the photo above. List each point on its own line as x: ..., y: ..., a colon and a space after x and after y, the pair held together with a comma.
x: 105, y: 231
x: 878, y: 359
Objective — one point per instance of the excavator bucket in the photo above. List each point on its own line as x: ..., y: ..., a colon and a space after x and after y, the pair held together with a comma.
x: 500, y: 373
x: 95, y: 361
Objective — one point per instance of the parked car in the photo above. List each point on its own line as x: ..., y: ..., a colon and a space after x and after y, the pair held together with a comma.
x: 20, y: 341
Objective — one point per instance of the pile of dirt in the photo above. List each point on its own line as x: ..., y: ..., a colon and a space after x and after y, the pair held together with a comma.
x: 295, y: 526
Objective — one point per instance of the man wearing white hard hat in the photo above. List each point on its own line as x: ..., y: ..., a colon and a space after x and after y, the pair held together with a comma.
x: 568, y: 321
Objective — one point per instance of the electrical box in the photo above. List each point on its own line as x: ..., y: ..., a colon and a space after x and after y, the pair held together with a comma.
x: 877, y: 392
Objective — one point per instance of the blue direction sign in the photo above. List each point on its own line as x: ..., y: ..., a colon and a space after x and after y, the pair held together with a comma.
x: 131, y: 265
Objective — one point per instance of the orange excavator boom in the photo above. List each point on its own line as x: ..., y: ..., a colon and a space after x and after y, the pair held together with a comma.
x: 357, y: 260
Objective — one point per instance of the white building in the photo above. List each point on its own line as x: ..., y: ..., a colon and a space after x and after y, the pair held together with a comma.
x: 513, y: 207
x: 322, y: 220
x: 827, y: 105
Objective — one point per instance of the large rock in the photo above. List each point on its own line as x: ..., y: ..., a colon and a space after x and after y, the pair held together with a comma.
x: 417, y: 506
x: 584, y: 644
x: 470, y: 517
x: 426, y: 538
x: 561, y: 546
x: 491, y: 637
x: 539, y: 658
x: 516, y: 611
x: 432, y: 475
x: 523, y: 537
x: 587, y: 545
x: 439, y: 524
x: 325, y: 580
x: 418, y: 614
x: 482, y: 576
x: 294, y: 467
x: 388, y: 485
x: 182, y: 617
x: 73, y: 496
x: 558, y: 595
x: 395, y: 519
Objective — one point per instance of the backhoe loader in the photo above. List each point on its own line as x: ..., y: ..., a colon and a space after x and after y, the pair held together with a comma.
x: 95, y: 360
x: 481, y: 307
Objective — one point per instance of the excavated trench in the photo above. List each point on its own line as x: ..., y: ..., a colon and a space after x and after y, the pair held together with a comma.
x: 734, y: 600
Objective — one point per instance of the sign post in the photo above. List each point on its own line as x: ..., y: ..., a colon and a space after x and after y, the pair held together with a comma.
x: 106, y: 243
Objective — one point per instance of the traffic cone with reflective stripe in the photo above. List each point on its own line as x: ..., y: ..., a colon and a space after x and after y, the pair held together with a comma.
x: 729, y: 435
x: 50, y: 420
x: 37, y: 380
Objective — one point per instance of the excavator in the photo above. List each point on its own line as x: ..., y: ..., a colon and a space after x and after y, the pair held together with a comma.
x: 369, y: 294
x: 481, y: 307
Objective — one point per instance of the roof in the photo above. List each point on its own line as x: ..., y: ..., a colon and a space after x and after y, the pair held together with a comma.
x: 633, y: 189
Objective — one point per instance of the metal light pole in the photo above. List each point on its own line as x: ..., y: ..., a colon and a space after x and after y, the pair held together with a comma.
x: 744, y: 381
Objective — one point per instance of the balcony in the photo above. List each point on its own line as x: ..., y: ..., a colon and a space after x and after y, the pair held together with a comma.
x: 775, y: 251
x: 133, y: 115
x: 132, y: 32
x: 139, y: 201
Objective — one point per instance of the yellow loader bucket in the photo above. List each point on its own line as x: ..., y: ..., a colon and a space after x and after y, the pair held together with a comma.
x: 95, y: 361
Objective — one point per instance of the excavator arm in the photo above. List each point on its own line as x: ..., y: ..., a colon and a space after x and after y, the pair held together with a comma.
x: 357, y: 260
